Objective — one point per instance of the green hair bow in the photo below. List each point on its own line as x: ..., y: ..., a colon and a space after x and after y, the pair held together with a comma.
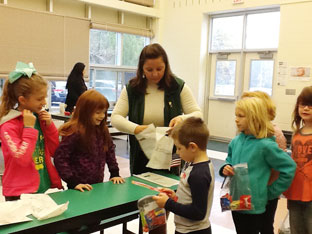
x: 21, y: 69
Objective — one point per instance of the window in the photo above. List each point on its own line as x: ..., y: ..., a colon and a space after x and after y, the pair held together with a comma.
x: 262, y: 30
x: 236, y: 40
x: 132, y: 46
x: 58, y: 93
x: 261, y: 75
x: 225, y: 78
x: 227, y: 33
x: 113, y: 61
x: 103, y: 47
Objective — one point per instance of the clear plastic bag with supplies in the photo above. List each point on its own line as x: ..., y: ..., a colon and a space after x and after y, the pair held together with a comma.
x: 235, y: 191
x: 151, y: 215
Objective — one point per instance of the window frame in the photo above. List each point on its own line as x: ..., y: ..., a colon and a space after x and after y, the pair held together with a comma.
x: 118, y: 67
x: 238, y: 86
x: 244, y: 13
x: 215, y: 83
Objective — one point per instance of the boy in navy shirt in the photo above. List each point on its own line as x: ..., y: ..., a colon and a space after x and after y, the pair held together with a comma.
x: 195, y: 190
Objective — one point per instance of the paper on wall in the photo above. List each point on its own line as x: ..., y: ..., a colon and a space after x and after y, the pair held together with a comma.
x: 157, y: 146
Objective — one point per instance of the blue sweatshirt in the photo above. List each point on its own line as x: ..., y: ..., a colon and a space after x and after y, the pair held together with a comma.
x: 261, y: 155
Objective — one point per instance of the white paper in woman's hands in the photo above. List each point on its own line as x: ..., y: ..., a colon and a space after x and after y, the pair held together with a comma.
x: 147, y: 140
x: 162, y: 153
x: 157, y: 146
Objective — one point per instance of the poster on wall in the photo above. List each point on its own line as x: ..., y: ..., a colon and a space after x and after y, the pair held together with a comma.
x: 282, y: 73
x: 300, y: 73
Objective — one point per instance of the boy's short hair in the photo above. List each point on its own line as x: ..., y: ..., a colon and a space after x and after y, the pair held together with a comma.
x: 192, y: 130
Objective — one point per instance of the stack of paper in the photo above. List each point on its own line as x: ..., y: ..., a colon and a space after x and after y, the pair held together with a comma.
x: 158, y: 179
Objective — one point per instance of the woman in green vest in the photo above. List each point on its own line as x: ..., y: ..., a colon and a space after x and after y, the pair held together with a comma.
x: 155, y: 96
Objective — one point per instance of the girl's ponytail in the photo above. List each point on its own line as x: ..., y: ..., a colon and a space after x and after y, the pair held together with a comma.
x: 8, y: 99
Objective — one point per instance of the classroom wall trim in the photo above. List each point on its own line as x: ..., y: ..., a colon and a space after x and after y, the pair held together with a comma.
x: 126, y: 7
x: 149, y: 3
x: 123, y: 29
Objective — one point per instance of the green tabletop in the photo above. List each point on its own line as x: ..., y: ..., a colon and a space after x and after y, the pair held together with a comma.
x: 105, y: 201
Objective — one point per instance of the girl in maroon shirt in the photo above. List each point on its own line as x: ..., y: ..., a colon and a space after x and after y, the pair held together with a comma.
x: 86, y: 145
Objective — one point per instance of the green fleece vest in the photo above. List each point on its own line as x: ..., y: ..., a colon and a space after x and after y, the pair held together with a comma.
x: 172, y: 108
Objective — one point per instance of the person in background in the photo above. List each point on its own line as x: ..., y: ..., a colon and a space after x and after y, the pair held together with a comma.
x: 28, y: 135
x: 268, y: 227
x: 299, y: 194
x: 155, y: 96
x: 195, y: 190
x: 75, y: 86
x: 256, y: 146
x: 86, y: 145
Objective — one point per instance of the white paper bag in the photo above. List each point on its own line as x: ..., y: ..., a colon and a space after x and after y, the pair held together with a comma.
x: 147, y: 140
x: 162, y: 154
x: 157, y: 146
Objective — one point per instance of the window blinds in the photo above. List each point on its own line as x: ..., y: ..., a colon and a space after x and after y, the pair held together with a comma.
x: 52, y: 43
x: 123, y: 29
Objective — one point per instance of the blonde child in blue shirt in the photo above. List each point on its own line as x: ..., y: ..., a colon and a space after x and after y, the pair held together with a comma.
x: 256, y: 146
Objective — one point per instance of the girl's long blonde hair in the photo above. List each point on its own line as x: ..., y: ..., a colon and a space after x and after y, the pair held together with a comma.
x: 258, y: 122
x: 24, y: 86
x: 271, y: 108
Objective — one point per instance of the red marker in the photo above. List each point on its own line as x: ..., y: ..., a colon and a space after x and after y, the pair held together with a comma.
x: 152, y: 188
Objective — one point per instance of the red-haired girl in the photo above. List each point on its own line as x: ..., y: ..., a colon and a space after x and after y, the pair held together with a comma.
x: 86, y: 145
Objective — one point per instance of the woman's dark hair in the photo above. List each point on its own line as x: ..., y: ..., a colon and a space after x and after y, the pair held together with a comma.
x: 304, y: 98
x: 153, y: 51
x: 76, y: 75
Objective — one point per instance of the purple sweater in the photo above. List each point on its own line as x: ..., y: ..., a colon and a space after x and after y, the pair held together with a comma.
x: 78, y: 166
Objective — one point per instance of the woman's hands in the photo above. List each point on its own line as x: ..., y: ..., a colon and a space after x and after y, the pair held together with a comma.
x: 117, y: 180
x: 228, y: 170
x: 81, y: 187
x: 140, y: 128
x: 175, y: 121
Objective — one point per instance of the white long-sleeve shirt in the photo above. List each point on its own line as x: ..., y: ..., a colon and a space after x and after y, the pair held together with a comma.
x: 153, y: 108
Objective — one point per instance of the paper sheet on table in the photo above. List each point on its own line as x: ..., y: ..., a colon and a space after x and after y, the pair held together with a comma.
x: 43, y: 206
x: 14, y: 212
x: 40, y: 206
x: 158, y: 179
x: 157, y: 146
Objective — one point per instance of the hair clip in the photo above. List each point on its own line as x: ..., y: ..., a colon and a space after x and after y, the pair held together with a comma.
x: 21, y: 69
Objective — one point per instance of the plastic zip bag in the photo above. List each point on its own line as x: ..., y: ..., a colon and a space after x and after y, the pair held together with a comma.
x: 235, y: 191
x: 152, y: 216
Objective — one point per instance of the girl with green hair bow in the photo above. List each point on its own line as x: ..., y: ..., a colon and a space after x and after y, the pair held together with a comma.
x: 28, y: 135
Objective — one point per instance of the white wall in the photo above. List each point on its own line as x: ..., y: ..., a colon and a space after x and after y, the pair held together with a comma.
x: 184, y: 36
